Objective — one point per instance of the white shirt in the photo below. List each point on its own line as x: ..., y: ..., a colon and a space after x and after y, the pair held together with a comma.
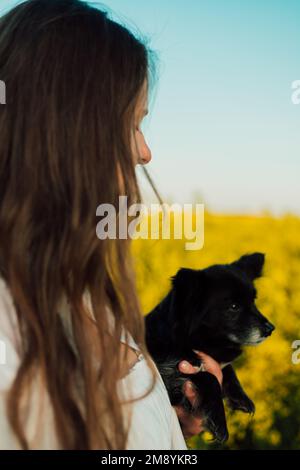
x: 154, y: 423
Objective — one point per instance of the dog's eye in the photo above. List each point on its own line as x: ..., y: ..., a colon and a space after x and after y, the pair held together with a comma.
x: 234, y: 307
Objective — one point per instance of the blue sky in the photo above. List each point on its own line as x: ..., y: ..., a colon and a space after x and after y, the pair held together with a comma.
x: 222, y: 125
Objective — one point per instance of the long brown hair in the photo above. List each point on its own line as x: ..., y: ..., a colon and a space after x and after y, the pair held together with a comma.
x: 73, y: 77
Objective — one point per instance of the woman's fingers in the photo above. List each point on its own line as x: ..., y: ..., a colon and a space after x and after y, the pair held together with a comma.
x: 208, y: 365
x: 192, y: 425
x: 190, y: 393
x: 187, y: 368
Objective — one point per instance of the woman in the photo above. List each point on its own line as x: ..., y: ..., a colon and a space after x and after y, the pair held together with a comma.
x: 77, y: 86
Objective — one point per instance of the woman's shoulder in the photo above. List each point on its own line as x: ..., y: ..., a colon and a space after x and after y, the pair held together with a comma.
x: 9, y: 322
x: 125, y: 337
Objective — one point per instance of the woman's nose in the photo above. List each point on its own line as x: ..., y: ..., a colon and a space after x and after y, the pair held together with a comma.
x: 145, y: 155
x: 144, y: 151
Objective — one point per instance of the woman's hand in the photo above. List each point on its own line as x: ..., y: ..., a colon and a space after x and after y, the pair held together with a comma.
x: 191, y: 425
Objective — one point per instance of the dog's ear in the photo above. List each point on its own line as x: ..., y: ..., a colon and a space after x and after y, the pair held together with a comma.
x: 183, y: 278
x: 252, y: 264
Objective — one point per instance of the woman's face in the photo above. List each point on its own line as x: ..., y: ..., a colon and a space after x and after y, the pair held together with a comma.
x: 141, y: 151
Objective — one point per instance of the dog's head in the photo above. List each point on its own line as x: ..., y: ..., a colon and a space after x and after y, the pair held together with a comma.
x: 219, y: 302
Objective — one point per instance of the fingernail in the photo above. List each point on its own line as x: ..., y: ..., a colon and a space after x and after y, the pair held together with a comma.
x: 197, y: 352
x: 184, y: 364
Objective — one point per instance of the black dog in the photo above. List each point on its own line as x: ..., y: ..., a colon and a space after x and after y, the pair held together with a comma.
x: 211, y: 310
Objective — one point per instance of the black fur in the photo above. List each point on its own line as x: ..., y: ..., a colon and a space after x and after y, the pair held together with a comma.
x: 211, y: 310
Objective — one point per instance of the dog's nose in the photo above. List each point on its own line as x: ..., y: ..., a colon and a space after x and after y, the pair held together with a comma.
x: 269, y: 328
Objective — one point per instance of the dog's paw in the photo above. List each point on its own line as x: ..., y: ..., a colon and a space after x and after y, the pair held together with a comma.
x: 241, y: 403
x: 214, y: 421
x: 218, y: 430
